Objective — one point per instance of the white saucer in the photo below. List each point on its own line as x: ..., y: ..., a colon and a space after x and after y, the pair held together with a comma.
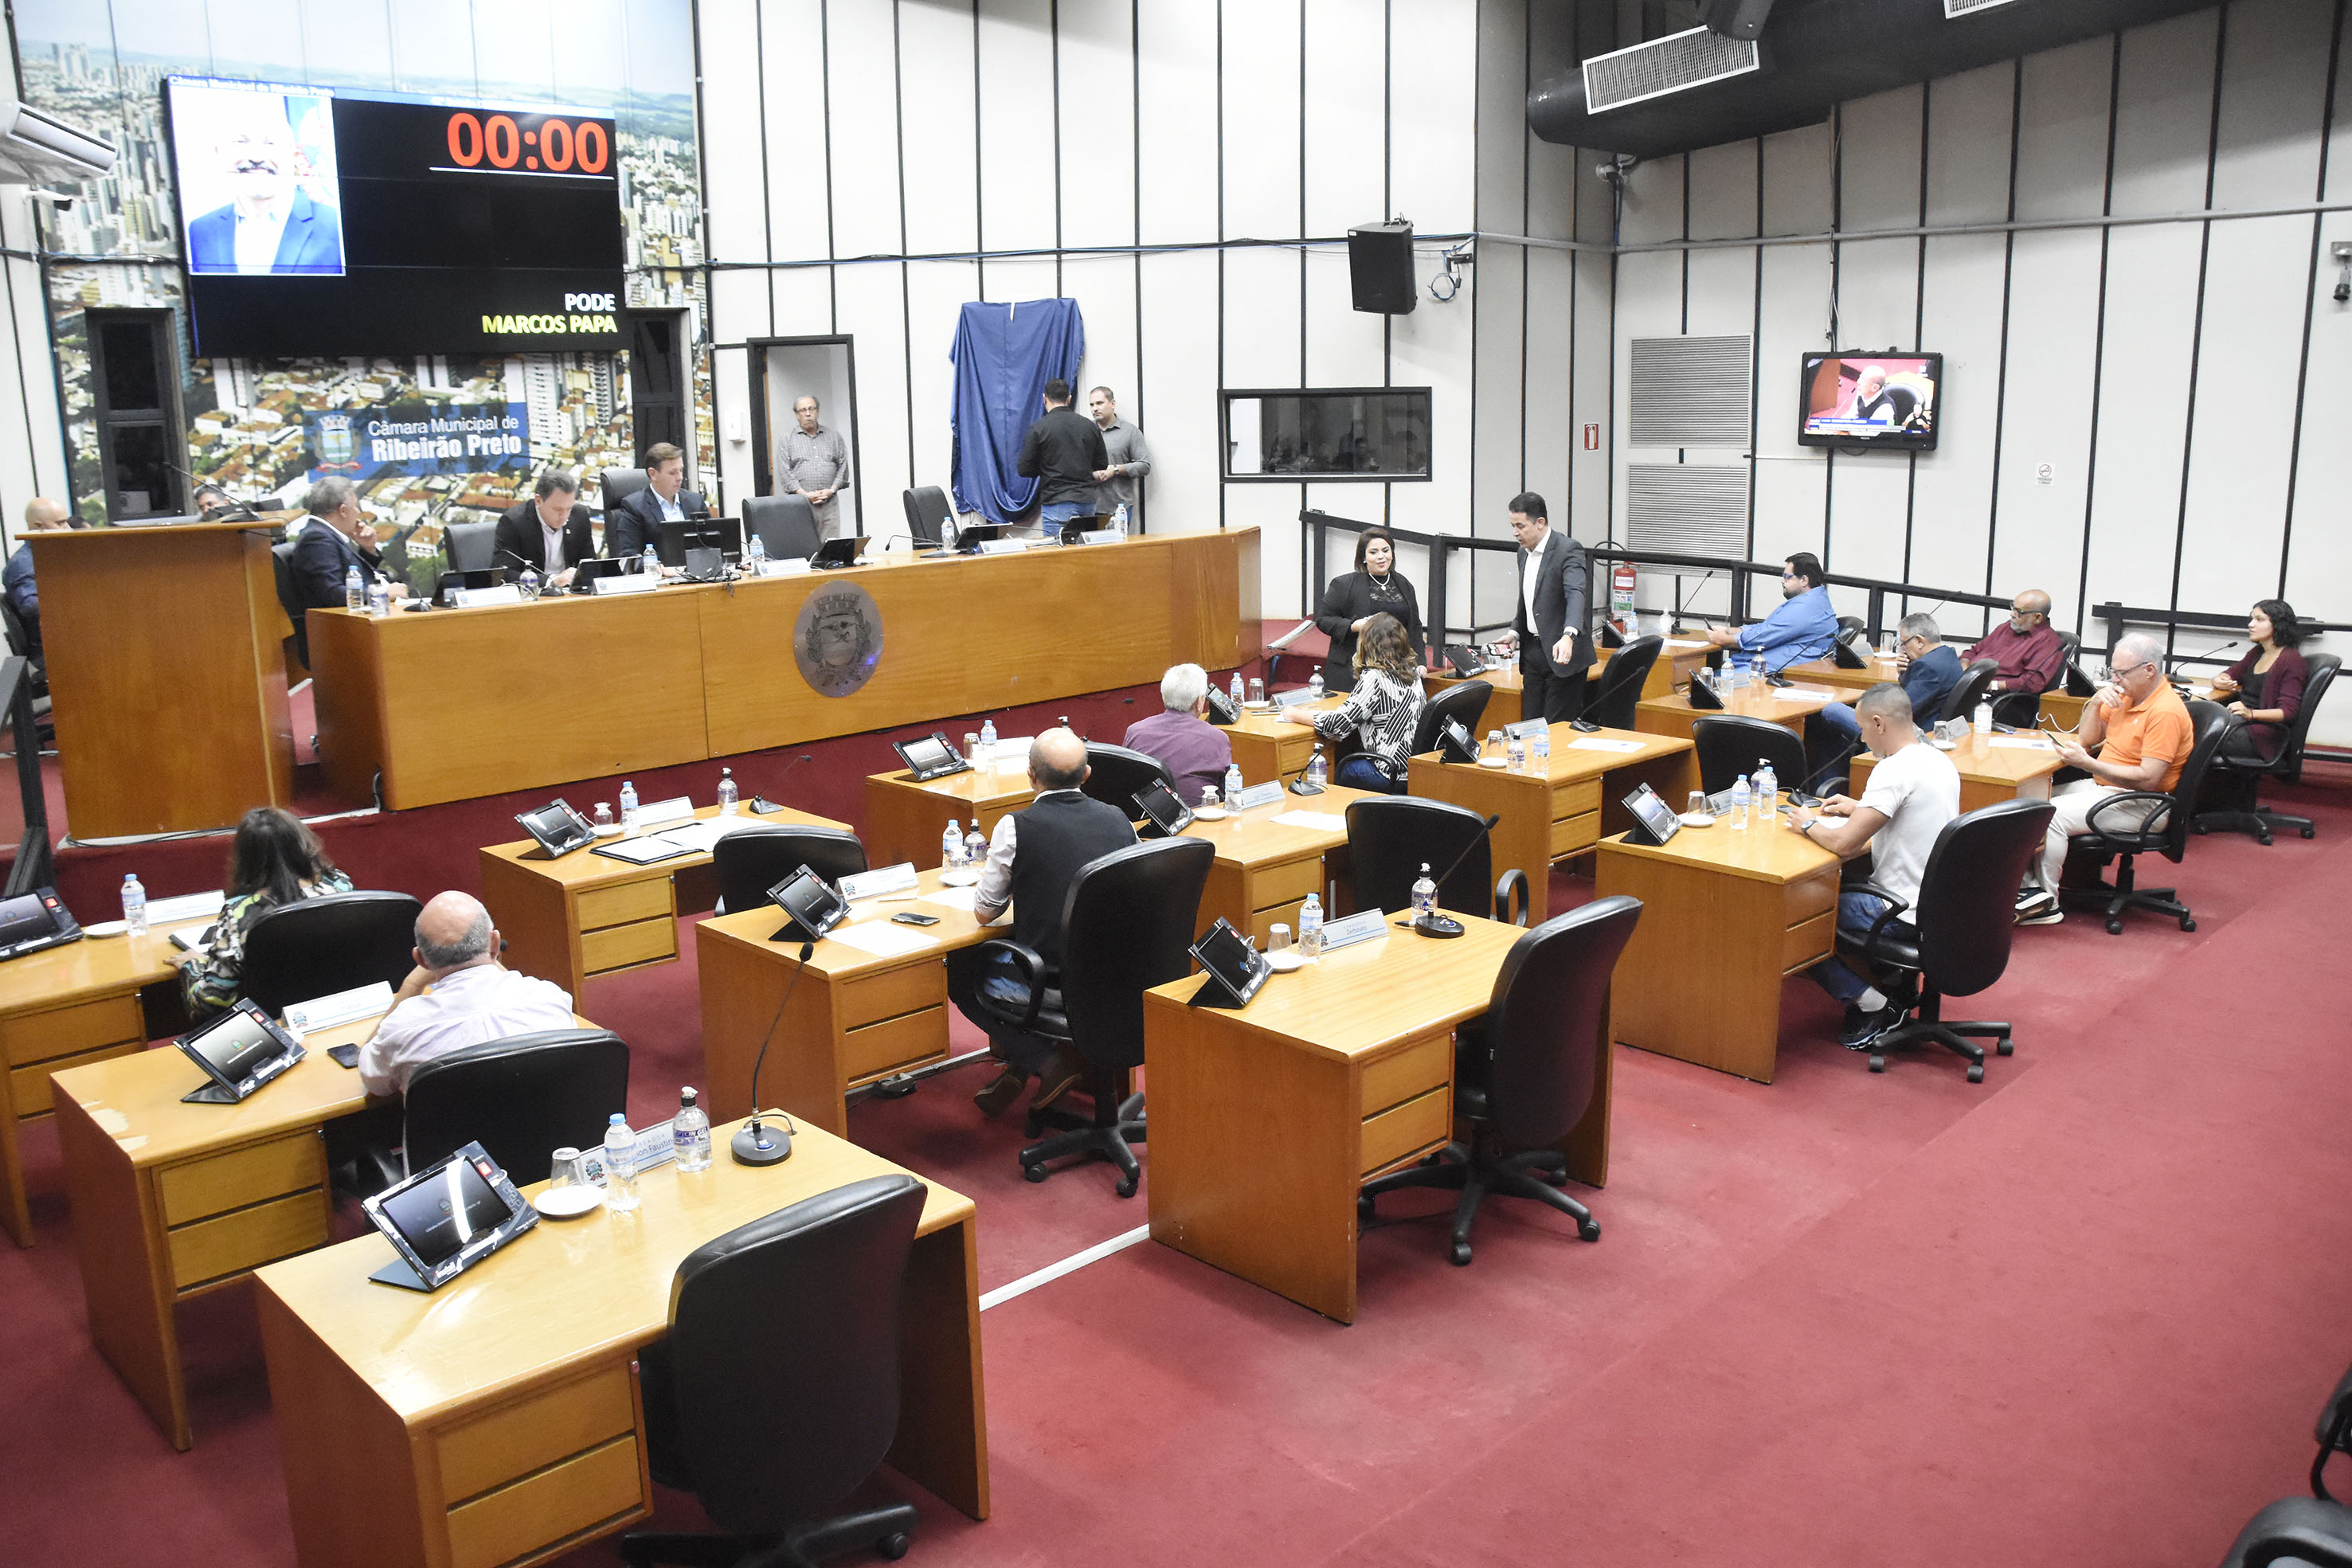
x: 1209, y: 814
x: 1257, y: 707
x: 1494, y: 762
x: 612, y: 830
x: 1284, y: 962
x: 960, y: 878
x: 569, y: 1202
x: 1696, y: 820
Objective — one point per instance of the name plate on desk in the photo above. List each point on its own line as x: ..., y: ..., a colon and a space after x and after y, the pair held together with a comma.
x: 1361, y: 926
x: 654, y: 813
x: 1099, y: 537
x: 483, y: 598
x: 343, y: 1006
x: 1002, y: 547
x: 639, y: 584
x: 1256, y: 795
x: 882, y: 879
x: 791, y: 566
x: 1525, y: 728
x: 1297, y: 695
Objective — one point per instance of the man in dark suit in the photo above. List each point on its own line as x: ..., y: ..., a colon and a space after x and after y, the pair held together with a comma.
x: 335, y: 538
x: 1555, y: 599
x: 272, y: 225
x: 551, y: 530
x: 630, y: 526
x: 1063, y: 452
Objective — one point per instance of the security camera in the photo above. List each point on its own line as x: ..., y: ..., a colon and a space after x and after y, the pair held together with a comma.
x: 55, y: 200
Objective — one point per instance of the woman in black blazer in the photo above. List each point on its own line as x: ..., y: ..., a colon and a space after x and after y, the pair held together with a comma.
x: 1374, y: 588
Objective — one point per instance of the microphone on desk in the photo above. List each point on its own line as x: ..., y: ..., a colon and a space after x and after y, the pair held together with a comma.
x: 2198, y: 658
x: 760, y: 805
x: 756, y: 1144
x: 1433, y: 924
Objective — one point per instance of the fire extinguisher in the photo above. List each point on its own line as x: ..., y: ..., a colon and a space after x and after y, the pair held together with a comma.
x: 1621, y: 597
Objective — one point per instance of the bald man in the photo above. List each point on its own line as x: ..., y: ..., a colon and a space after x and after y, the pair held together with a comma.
x: 2025, y: 650
x: 1032, y: 862
x: 23, y: 594
x: 458, y: 995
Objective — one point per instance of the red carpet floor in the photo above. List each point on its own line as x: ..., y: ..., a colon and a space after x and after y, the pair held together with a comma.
x: 2083, y: 1312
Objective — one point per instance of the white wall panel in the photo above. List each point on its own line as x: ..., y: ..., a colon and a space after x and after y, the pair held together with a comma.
x: 1021, y: 278
x: 1653, y: 207
x: 1431, y: 348
x: 1968, y: 146
x: 1952, y: 502
x: 1016, y: 126
x: 1343, y: 343
x: 731, y: 384
x: 2164, y: 114
x: 1721, y: 293
x: 1433, y: 111
x: 1177, y: 45
x: 1261, y: 119
x: 800, y: 301
x: 734, y: 210
x: 739, y: 305
x: 1179, y: 303
x: 1879, y: 176
x: 861, y: 84
x: 1550, y: 431
x: 802, y: 182
x: 2143, y: 411
x: 935, y: 85
x: 1260, y: 325
x: 2272, y: 91
x: 2053, y: 335
x: 1498, y: 408
x: 1342, y: 118
x: 872, y: 316
x: 1798, y: 176
x: 1097, y: 78
x: 1723, y: 190
x: 936, y: 294
x: 1103, y: 286
x: 1502, y: 98
x: 2061, y: 131
x: 1587, y: 505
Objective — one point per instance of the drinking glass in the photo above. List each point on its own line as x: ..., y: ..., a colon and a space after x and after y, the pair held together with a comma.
x: 1208, y: 798
x: 1257, y: 691
x: 1494, y: 743
x: 567, y: 1169
x: 604, y: 815
x: 1277, y: 937
x: 1697, y: 804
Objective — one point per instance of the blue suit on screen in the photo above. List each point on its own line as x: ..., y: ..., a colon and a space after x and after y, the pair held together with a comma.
x: 312, y: 240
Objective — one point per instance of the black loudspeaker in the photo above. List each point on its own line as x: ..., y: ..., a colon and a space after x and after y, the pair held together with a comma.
x: 1379, y: 267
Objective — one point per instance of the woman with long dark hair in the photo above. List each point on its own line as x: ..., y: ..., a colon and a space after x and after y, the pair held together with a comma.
x: 274, y: 861
x: 1383, y: 708
x: 1354, y: 598
x: 2264, y: 689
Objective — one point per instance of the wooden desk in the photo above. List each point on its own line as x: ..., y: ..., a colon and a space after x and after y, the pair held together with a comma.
x: 172, y: 1201
x: 1850, y: 684
x: 571, y: 920
x: 1787, y: 707
x: 1676, y: 660
x: 66, y: 1008
x: 1561, y: 813
x: 498, y: 1420
x: 904, y: 820
x: 1988, y: 772
x: 1269, y: 746
x: 1266, y: 869
x: 1727, y: 915
x: 1266, y: 1121
x: 165, y: 659
x: 691, y: 671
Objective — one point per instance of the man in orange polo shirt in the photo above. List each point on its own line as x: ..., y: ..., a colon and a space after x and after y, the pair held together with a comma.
x: 2142, y: 730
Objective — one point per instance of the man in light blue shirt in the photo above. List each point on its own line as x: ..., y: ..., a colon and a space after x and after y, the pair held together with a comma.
x: 1801, y: 627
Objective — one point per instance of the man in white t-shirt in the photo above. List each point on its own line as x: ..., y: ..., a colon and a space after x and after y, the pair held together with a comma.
x: 1914, y: 791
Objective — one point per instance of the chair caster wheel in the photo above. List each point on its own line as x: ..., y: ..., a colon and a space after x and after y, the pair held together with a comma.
x: 1461, y: 1254
x: 2307, y: 832
x: 1127, y: 1185
x: 1553, y: 1178
x: 1033, y: 1173
x: 2115, y: 927
x: 1976, y: 1072
x: 2007, y: 1047
x: 1590, y: 1230
x: 1877, y: 1062
x: 2186, y: 923
x: 2263, y: 839
x: 893, y: 1546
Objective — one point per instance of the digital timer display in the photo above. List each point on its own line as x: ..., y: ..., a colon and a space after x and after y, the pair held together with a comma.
x: 502, y: 141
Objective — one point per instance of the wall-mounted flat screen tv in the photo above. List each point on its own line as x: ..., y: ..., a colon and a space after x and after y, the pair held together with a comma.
x: 316, y: 222
x: 1857, y: 401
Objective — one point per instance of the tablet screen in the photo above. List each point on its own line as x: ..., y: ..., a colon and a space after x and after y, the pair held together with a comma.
x: 929, y: 752
x: 1166, y: 811
x: 441, y: 1212
x: 234, y: 1047
x: 1225, y: 955
x: 1655, y: 814
x: 811, y: 901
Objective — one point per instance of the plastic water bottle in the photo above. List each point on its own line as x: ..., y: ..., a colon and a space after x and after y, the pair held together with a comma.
x: 1314, y: 686
x: 1515, y: 751
x: 620, y: 1165
x: 975, y: 848
x: 1424, y: 893
x: 987, y: 742
x: 1740, y: 795
x: 628, y: 807
x: 689, y: 1134
x: 354, y: 589
x: 1540, y: 750
x: 755, y: 555
x: 1756, y: 671
x: 1768, y: 793
x: 1119, y: 519
x: 134, y: 906
x: 1241, y: 693
x: 1983, y: 718
x: 1319, y: 772
x: 951, y: 846
x: 1732, y: 678
x: 379, y: 598
x: 1310, y: 927
x: 1234, y: 785
x: 529, y: 582
x: 651, y: 562
x: 728, y: 793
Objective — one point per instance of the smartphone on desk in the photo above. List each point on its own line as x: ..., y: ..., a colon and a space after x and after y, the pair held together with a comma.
x: 344, y: 1055
x: 908, y: 917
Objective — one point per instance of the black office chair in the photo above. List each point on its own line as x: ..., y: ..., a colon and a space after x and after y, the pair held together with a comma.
x: 2243, y: 777
x: 1729, y: 745
x: 281, y: 563
x: 751, y: 861
x: 1114, y: 774
x: 1848, y: 627
x: 1523, y: 1075
x: 1390, y: 841
x: 20, y: 642
x: 1960, y: 702
x: 2073, y: 681
x: 471, y: 546
x: 335, y: 942
x: 775, y: 1393
x: 522, y: 1098
x: 2316, y: 1529
x: 1620, y: 687
x: 1465, y: 701
x: 786, y: 525
x: 2165, y: 832
x: 1128, y: 926
x: 927, y: 515
x: 1956, y: 940
x: 2019, y: 710
x: 615, y: 486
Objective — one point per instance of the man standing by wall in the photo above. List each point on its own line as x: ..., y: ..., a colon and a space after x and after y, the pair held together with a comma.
x: 1555, y: 606
x: 816, y: 465
x: 1063, y: 451
x: 1121, y: 480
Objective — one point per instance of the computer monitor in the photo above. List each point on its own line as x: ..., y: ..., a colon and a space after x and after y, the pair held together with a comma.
x: 672, y: 540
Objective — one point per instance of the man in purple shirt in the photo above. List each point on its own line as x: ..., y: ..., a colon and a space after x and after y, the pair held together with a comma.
x: 1195, y: 750
x: 2029, y: 655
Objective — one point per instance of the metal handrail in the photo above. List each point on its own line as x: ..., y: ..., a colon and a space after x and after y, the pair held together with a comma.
x: 2119, y: 617
x: 34, y: 867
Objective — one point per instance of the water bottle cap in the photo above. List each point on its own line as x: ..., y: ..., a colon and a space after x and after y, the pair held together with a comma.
x: 619, y: 1120
x: 686, y: 1095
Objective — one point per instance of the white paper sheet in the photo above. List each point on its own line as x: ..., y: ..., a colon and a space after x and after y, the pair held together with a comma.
x: 882, y: 938
x: 953, y: 898
x: 1322, y: 821
x: 1603, y: 743
x: 701, y: 836
x: 2019, y: 743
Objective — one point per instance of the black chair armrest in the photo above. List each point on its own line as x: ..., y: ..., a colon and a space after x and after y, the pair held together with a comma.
x: 1511, y: 897
x: 1895, y: 906
x: 2297, y: 1527
x: 2146, y: 833
x: 1033, y: 976
x: 1388, y: 770
x: 2335, y: 1436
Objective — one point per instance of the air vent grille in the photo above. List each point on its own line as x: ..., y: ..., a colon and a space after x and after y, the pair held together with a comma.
x: 1690, y: 391
x: 1674, y: 63
x: 1687, y: 509
x: 1962, y: 7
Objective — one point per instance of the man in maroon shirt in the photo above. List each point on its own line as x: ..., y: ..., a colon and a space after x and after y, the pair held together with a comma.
x: 2026, y: 650
x: 1195, y: 750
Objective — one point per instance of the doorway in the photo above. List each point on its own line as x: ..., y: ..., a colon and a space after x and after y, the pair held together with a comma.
x: 658, y: 404
x: 784, y: 371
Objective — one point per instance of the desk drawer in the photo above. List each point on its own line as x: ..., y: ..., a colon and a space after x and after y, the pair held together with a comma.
x: 1575, y: 835
x: 1286, y: 883
x: 893, y: 993
x: 199, y: 1187
x: 601, y: 1486
x: 895, y: 1044
x: 1424, y: 1065
x: 631, y: 901
x: 247, y: 1238
x: 1294, y: 750
x: 621, y: 946
x: 67, y: 1032
x: 1575, y: 797
x: 1801, y: 901
x: 1805, y: 944
x: 486, y: 1453
x: 28, y: 1087
x: 1421, y: 1123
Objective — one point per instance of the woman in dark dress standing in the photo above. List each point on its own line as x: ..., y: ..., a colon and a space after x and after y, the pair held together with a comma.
x: 1374, y: 588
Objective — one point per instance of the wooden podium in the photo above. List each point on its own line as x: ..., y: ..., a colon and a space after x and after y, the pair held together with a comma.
x: 166, y: 668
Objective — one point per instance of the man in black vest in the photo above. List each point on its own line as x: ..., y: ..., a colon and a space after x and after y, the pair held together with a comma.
x: 1032, y: 861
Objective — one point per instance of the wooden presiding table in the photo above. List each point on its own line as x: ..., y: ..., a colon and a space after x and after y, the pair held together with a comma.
x: 65, y: 1008
x: 1267, y: 1120
x: 569, y: 921
x: 172, y: 1200
x: 165, y: 659
x: 1787, y: 707
x: 498, y: 1420
x: 1562, y: 812
x: 1990, y: 769
x: 1728, y: 914
x: 690, y: 672
x: 904, y: 819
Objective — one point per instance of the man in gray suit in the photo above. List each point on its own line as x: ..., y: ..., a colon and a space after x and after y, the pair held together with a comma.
x: 1555, y: 598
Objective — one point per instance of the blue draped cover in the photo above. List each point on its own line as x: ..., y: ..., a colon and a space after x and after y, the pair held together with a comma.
x: 1004, y: 355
